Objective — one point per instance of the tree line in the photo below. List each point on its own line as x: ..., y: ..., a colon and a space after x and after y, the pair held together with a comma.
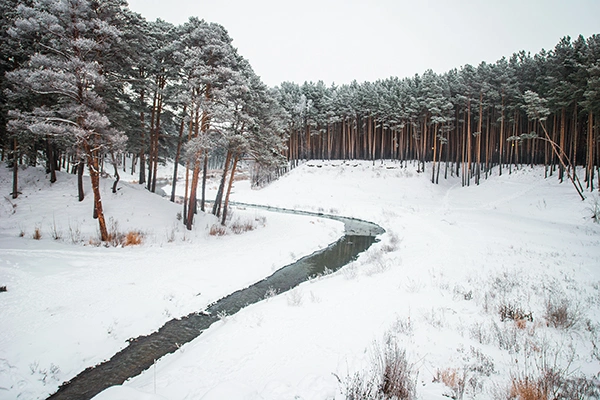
x: 88, y: 82
x: 465, y: 121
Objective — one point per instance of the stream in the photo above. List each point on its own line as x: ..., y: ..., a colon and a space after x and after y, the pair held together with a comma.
x: 142, y: 352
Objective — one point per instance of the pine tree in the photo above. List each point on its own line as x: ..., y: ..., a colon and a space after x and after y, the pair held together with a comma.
x: 209, y: 66
x: 68, y: 73
x: 13, y: 53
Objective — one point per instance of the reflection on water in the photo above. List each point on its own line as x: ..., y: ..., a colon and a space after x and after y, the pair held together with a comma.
x: 144, y: 350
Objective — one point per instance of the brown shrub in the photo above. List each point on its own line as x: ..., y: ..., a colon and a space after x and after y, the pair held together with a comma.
x: 527, y: 389
x: 562, y: 313
x: 132, y: 238
x: 521, y: 324
x: 391, y: 376
x: 239, y: 227
x: 513, y: 312
x: 454, y: 379
x: 217, y: 230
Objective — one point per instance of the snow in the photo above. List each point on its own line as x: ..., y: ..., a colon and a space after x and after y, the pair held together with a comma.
x: 450, y: 257
x: 69, y: 306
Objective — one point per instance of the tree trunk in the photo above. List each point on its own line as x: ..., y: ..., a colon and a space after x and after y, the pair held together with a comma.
x: 51, y: 161
x: 479, y: 130
x: 565, y: 162
x: 15, y: 192
x: 193, y: 197
x: 501, y: 143
x: 142, y: 155
x: 177, y: 153
x: 151, y: 139
x: 590, y: 163
x: 133, y: 162
x: 469, y: 170
x: 434, y: 155
x: 118, y: 178
x: 217, y: 206
x: 464, y: 153
x: 157, y: 133
x: 226, y: 205
x: 80, y: 168
x: 561, y: 144
x: 93, y: 167
x: 204, y: 176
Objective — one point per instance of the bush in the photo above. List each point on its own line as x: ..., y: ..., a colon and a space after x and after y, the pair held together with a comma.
x: 217, y: 230
x: 75, y: 233
x: 239, y: 226
x: 553, y: 384
x: 507, y: 337
x: 527, y: 389
x: 37, y: 233
x: 391, y: 376
x: 117, y: 238
x: 562, y: 313
x: 454, y: 379
x: 514, y: 313
x: 132, y: 238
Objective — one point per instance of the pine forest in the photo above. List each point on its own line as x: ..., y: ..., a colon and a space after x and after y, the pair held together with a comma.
x: 87, y: 84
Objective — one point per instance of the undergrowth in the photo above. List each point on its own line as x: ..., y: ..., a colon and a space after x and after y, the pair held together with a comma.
x: 237, y: 225
x: 389, y: 375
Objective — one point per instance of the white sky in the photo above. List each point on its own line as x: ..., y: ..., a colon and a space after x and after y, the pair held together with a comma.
x: 342, y: 40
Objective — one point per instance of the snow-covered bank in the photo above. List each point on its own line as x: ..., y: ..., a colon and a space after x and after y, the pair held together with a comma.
x: 460, y: 255
x: 70, y: 305
x: 451, y: 258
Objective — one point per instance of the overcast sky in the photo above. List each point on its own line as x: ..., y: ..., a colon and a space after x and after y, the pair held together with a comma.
x: 342, y: 40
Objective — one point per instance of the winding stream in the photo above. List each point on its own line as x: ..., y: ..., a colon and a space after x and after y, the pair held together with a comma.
x: 144, y: 350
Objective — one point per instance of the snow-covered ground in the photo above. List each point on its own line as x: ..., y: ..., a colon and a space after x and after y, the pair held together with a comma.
x: 452, y: 258
x: 70, y: 305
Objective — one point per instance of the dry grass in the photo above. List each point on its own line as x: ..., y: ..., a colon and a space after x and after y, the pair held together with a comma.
x: 117, y: 238
x: 75, y: 233
x: 562, y: 313
x: 454, y: 379
x: 527, y: 389
x: 37, y: 233
x: 239, y: 227
x: 55, y: 231
x: 132, y: 238
x: 521, y: 324
x: 515, y: 313
x: 391, y: 376
x: 550, y: 382
x: 217, y: 230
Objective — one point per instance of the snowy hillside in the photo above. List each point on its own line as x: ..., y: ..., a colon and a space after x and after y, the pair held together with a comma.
x: 70, y: 304
x: 484, y: 287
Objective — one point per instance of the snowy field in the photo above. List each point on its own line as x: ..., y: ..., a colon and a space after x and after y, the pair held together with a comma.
x: 482, y: 286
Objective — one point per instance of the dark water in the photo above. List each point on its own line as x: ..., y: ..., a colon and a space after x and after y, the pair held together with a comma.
x: 142, y: 351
